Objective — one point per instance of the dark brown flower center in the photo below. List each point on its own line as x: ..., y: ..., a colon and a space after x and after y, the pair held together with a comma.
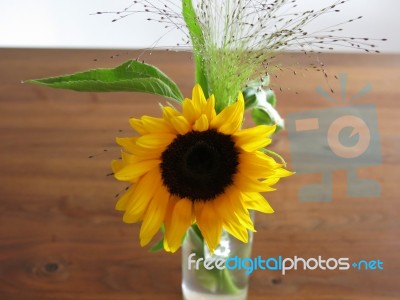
x: 199, y: 165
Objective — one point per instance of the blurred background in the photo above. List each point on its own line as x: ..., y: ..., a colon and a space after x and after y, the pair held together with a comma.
x: 75, y: 24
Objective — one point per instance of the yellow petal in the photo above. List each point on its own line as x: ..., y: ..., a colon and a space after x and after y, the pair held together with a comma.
x: 180, y: 124
x: 254, y: 144
x: 237, y: 230
x: 154, y: 216
x: 155, y: 141
x: 117, y: 165
x: 201, y: 124
x: 258, y: 159
x: 168, y: 218
x: 256, y: 167
x: 145, y: 153
x: 256, y: 201
x: 224, y: 209
x: 170, y: 112
x: 230, y: 119
x: 209, y: 108
x: 247, y: 222
x: 198, y: 96
x: 231, y: 222
x: 128, y: 143
x: 138, y: 126
x: 128, y: 158
x: 270, y: 181
x: 246, y: 184
x: 259, y: 131
x: 124, y: 200
x: 190, y: 111
x: 133, y: 171
x: 179, y: 222
x: 210, y: 225
x: 237, y: 203
x: 281, y: 172
x: 141, y: 196
x: 260, y: 166
x: 156, y: 125
x: 254, y: 138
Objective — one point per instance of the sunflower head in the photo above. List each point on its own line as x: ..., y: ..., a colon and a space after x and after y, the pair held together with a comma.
x: 196, y: 166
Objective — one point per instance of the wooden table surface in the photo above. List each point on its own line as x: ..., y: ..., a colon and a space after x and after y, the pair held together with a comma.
x: 60, y: 237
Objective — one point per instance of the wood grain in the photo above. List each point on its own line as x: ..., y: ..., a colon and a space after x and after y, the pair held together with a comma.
x: 60, y: 237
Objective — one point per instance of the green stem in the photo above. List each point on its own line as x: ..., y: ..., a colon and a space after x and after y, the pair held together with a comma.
x: 197, y: 238
x: 222, y: 280
x: 198, y: 42
x: 227, y: 284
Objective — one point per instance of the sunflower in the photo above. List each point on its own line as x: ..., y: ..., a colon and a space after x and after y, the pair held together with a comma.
x: 196, y: 167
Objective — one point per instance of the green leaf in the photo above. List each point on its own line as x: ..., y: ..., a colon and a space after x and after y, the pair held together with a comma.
x: 197, y: 37
x: 250, y: 97
x: 260, y: 117
x: 158, y: 246
x: 271, y: 98
x: 256, y: 92
x: 266, y: 114
x: 131, y: 76
x: 262, y: 102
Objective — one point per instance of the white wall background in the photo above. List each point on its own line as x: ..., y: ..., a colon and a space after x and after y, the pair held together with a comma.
x: 70, y: 24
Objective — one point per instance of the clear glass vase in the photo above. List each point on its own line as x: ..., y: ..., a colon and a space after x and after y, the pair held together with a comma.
x: 222, y: 275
